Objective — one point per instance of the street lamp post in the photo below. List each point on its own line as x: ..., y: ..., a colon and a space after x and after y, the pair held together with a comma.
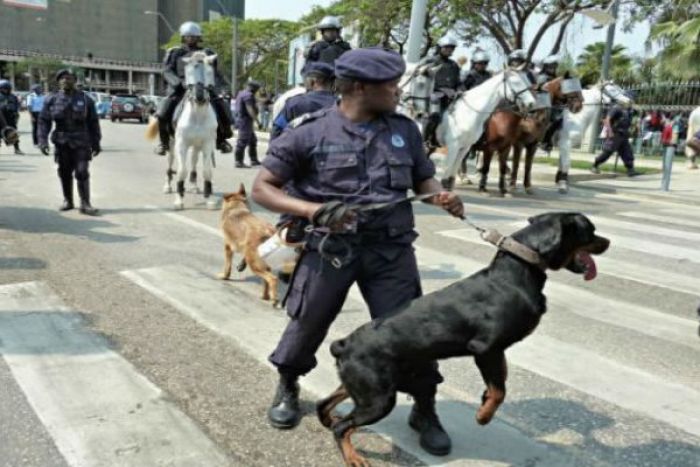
x: 415, y: 32
x: 161, y: 16
x: 605, y: 71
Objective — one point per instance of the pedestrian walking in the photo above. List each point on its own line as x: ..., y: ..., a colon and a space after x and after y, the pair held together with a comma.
x: 246, y: 120
x: 616, y: 139
x: 358, y: 152
x: 35, y: 102
x: 9, y: 106
x: 76, y: 138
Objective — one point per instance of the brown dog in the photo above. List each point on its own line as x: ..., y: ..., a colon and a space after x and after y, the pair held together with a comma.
x: 243, y: 233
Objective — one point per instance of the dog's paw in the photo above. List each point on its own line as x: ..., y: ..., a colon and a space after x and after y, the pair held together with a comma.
x: 484, y: 416
x: 223, y: 276
x: 276, y: 304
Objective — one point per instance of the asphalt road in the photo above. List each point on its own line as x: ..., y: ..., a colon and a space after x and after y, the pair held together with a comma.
x: 120, y: 346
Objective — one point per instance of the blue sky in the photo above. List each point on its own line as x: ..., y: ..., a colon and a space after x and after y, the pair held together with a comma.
x: 579, y: 34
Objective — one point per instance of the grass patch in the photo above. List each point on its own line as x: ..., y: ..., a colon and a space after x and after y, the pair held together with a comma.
x: 605, y: 168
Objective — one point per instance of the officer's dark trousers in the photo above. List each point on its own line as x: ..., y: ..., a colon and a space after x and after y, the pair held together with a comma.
x: 387, y: 276
x: 35, y: 127
x: 73, y: 161
x: 167, y: 110
x: 246, y: 139
x: 620, y: 144
x: 12, y: 120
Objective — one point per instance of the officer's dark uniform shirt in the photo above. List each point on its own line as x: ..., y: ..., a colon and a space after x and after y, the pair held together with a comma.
x: 447, y: 73
x: 327, y: 52
x: 327, y: 157
x: 475, y: 78
x: 77, y: 125
x: 245, y: 98
x: 9, y: 106
x: 174, y: 72
x: 299, y: 105
x: 619, y: 121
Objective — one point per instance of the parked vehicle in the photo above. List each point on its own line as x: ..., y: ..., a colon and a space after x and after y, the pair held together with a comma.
x: 127, y: 106
x: 103, y: 103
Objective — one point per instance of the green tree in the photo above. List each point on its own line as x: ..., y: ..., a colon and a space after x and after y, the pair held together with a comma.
x: 589, y: 63
x: 680, y: 55
x: 40, y: 69
x: 261, y: 44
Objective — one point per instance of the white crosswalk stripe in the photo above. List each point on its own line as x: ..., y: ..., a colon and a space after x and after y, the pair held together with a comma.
x: 123, y: 421
x: 672, y: 220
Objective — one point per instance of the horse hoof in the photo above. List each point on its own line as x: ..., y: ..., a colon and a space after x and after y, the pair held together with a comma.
x: 465, y: 181
x: 507, y: 194
x: 167, y: 189
x: 179, y: 205
x: 529, y: 191
x: 212, y: 204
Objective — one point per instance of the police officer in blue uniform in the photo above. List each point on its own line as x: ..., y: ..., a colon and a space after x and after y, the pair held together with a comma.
x: 318, y: 79
x: 174, y: 75
x: 246, y: 118
x: 331, y: 46
x: 358, y: 152
x: 76, y: 138
x: 479, y: 71
x: 618, y: 120
x: 9, y: 107
x: 549, y: 72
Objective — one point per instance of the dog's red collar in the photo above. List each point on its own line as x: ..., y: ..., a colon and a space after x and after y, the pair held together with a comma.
x: 513, y: 247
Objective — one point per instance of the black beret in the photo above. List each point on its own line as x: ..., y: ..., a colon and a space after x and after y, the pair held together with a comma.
x: 373, y: 65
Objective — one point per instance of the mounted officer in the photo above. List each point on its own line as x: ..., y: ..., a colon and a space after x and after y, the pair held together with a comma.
x: 479, y: 71
x: 9, y: 106
x: 549, y: 72
x: 355, y: 153
x: 318, y: 79
x: 174, y: 74
x: 246, y: 118
x: 331, y: 46
x: 446, y: 83
x: 76, y: 138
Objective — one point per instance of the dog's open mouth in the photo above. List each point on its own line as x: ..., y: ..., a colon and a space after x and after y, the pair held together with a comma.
x: 584, y: 263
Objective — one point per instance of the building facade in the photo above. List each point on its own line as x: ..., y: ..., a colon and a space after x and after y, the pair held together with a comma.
x: 117, y: 45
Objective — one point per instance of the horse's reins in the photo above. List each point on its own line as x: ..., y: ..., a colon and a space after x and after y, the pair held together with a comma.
x: 492, y: 236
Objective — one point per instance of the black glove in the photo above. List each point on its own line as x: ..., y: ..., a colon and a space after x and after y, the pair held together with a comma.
x: 96, y: 150
x: 44, y: 148
x: 336, y: 215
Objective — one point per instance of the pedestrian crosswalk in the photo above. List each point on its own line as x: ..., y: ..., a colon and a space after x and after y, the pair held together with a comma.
x: 594, y: 357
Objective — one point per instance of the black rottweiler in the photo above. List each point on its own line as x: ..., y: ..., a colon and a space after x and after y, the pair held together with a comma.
x: 481, y: 316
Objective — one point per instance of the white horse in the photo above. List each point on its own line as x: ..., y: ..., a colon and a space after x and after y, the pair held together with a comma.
x: 693, y: 127
x: 577, y: 126
x: 463, y: 123
x: 195, y: 129
x: 282, y: 99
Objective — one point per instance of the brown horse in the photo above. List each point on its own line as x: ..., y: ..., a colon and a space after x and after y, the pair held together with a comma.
x: 531, y: 130
x: 506, y: 128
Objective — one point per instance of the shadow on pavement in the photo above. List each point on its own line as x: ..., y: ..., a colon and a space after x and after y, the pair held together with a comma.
x: 46, y: 221
x: 22, y: 263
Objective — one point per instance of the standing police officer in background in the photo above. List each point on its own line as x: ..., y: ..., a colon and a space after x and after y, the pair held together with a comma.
x: 479, y: 72
x: 358, y: 152
x: 246, y: 118
x: 174, y: 74
x: 617, y: 127
x: 35, y: 103
x: 9, y: 106
x: 446, y: 82
x: 318, y: 79
x: 76, y: 138
x: 331, y: 46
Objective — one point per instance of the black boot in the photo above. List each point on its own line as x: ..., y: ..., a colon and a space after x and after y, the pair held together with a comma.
x: 631, y: 172
x: 164, y: 132
x: 284, y: 413
x: 67, y: 188
x: 240, y: 153
x: 84, y: 193
x: 253, y: 154
x: 424, y: 420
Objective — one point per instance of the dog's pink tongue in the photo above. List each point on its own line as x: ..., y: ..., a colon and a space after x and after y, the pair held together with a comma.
x: 591, y: 269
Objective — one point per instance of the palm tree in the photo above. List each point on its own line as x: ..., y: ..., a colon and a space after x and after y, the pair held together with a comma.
x: 681, y: 47
x: 589, y: 63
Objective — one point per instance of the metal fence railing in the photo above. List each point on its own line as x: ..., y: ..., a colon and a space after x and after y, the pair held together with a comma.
x: 665, y: 96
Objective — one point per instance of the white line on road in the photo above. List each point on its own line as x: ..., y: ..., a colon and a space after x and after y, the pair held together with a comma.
x: 97, y: 408
x: 675, y: 220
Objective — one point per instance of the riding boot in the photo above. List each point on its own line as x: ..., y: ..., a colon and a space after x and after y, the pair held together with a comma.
x: 424, y: 420
x: 207, y: 188
x: 284, y: 413
x: 67, y: 187
x: 253, y: 155
x: 164, y: 133
x: 240, y: 154
x: 84, y: 193
x: 631, y: 172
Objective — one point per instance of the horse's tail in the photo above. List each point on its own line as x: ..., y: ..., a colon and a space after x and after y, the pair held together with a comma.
x: 152, y: 129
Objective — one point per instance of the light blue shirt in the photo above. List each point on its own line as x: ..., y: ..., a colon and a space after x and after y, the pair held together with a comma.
x: 35, y: 102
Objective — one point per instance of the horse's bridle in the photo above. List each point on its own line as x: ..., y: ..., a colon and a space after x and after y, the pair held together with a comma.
x: 510, y: 105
